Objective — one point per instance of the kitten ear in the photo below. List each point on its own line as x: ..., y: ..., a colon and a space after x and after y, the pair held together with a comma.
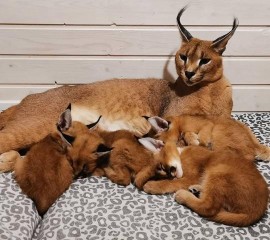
x: 103, y: 150
x: 219, y: 45
x: 158, y: 124
x: 65, y: 119
x: 92, y: 125
x: 151, y: 144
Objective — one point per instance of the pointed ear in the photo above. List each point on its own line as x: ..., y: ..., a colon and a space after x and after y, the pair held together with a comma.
x: 185, y: 34
x: 151, y: 144
x: 219, y: 45
x: 67, y: 138
x: 92, y: 125
x: 65, y: 120
x: 103, y: 150
x: 158, y: 124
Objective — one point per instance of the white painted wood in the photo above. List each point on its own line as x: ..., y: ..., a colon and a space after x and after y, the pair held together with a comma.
x: 133, y: 12
x: 251, y: 98
x: 67, y: 40
x: 246, y: 98
x: 70, y: 70
x: 127, y: 38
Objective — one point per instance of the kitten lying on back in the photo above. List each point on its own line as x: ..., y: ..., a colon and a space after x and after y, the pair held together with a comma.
x: 50, y: 165
x: 232, y: 190
x: 210, y: 131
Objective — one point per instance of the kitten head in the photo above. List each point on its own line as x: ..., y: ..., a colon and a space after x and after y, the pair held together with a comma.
x: 86, y: 147
x: 166, y: 155
x: 199, y: 60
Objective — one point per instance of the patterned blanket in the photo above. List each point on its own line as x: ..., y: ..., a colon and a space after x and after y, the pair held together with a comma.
x: 95, y: 208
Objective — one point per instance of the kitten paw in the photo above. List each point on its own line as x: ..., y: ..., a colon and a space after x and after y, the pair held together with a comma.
x: 192, y: 139
x: 7, y: 161
x: 180, y: 196
x: 152, y: 187
x: 195, y: 190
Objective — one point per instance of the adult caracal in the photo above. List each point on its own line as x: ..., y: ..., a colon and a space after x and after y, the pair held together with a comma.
x: 201, y: 88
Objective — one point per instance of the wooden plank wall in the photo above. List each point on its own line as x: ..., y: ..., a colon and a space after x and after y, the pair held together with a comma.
x: 44, y: 44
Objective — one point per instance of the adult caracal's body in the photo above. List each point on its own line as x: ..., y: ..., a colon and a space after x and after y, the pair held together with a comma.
x: 200, y: 89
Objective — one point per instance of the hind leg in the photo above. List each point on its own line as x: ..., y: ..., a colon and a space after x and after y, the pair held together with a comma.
x: 6, y: 115
x: 203, y: 206
x: 195, y: 190
x: 8, y: 160
x: 119, y: 175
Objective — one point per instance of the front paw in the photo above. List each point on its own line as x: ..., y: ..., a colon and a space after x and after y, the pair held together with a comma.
x: 8, y: 160
x: 191, y: 138
x: 152, y: 187
x: 180, y: 196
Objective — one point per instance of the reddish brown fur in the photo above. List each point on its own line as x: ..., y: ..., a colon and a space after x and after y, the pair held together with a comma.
x: 50, y: 165
x: 128, y: 160
x: 45, y: 173
x: 83, y: 152
x: 124, y: 99
x: 232, y: 191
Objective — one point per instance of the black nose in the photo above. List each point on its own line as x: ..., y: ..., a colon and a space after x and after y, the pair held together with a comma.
x: 189, y: 75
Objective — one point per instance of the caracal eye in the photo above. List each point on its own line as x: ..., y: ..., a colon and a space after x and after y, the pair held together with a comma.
x: 183, y: 57
x: 204, y: 61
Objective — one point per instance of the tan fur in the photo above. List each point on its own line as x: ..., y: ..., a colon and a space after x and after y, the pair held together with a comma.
x: 232, y: 191
x: 122, y: 102
x: 217, y: 134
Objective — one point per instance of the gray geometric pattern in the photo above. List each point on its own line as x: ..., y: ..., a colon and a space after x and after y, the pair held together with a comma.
x: 95, y: 208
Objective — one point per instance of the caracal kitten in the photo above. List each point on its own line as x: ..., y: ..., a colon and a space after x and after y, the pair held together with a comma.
x: 50, y: 165
x: 231, y: 190
x: 215, y: 133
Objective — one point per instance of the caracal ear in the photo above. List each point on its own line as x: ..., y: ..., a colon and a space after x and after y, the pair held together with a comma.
x: 219, y: 45
x: 151, y: 144
x: 185, y: 34
x: 94, y: 124
x: 65, y: 121
x: 103, y: 150
x: 158, y: 124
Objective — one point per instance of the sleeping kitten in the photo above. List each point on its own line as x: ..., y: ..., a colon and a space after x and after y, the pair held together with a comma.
x: 50, y: 165
x: 213, y: 132
x: 231, y: 189
x: 131, y: 158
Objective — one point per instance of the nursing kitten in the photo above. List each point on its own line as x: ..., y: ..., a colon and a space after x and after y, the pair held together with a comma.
x: 231, y: 189
x: 201, y: 88
x: 212, y: 132
x: 50, y: 165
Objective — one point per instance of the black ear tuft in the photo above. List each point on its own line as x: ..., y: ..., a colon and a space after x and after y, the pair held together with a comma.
x: 68, y: 138
x: 103, y: 148
x: 146, y: 117
x: 89, y: 126
x: 68, y: 107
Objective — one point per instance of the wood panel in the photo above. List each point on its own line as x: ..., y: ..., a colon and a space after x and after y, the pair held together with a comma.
x: 57, y: 40
x: 70, y: 70
x: 246, y: 98
x: 132, y: 12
